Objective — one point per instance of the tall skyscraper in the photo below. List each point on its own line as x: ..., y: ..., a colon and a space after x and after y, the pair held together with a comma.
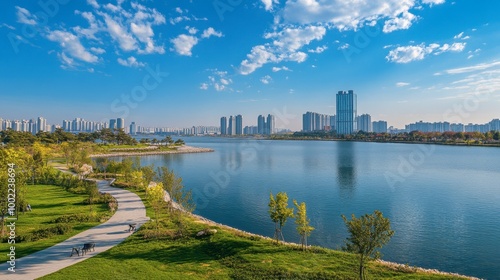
x: 261, y: 124
x: 120, y: 123
x: 133, y: 128
x: 346, y: 112
x: 232, y: 126
x: 41, y: 124
x: 365, y: 123
x: 223, y: 126
x: 270, y: 125
x: 112, y: 124
x: 239, y: 125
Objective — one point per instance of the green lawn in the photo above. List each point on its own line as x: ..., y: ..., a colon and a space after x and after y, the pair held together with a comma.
x: 225, y: 255
x: 49, y: 203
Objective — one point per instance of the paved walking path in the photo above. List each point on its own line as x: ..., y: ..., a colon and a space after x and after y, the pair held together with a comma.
x: 105, y: 236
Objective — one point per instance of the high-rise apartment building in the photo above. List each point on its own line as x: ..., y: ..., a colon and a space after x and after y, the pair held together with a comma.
x: 346, y: 112
x: 232, y: 126
x: 223, y: 126
x: 41, y: 124
x: 365, y: 123
x: 239, y: 125
x: 379, y: 126
x: 120, y: 123
x: 261, y: 124
x: 270, y: 125
x: 112, y: 124
x: 133, y: 128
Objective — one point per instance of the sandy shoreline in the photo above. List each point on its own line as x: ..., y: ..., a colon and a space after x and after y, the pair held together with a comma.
x: 180, y: 150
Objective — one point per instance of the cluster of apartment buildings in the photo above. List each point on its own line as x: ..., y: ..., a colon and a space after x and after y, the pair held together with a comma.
x: 346, y: 121
x: 234, y: 126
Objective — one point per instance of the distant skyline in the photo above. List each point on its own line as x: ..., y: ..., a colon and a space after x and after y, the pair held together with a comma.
x: 180, y: 64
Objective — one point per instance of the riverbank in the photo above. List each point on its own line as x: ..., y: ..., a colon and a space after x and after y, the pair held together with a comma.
x: 391, y: 265
x: 147, y: 152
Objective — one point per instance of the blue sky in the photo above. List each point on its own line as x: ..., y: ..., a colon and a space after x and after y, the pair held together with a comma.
x: 182, y: 63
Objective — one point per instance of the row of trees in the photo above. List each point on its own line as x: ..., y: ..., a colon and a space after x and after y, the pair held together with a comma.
x: 367, y: 233
x: 105, y: 135
x: 406, y: 136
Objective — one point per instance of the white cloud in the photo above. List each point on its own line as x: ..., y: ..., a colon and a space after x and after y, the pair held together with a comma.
x: 277, y: 69
x: 97, y: 50
x: 268, y: 4
x: 119, y: 33
x: 8, y: 26
x: 402, y: 84
x: 345, y: 46
x: 266, y: 79
x: 433, y: 2
x: 204, y: 86
x: 183, y: 44
x: 477, y: 67
x: 211, y: 32
x: 93, y: 3
x: 218, y: 80
x: 130, y: 62
x: 24, y: 16
x: 93, y: 25
x: 398, y: 23
x: 347, y: 15
x: 458, y: 36
x: 191, y: 30
x: 72, y: 46
x: 285, y: 47
x: 318, y: 49
x: 408, y: 54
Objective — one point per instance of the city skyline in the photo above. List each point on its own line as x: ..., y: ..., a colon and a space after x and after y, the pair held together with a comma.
x: 179, y: 63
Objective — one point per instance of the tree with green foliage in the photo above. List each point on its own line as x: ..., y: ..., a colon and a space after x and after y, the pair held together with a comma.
x: 93, y: 193
x: 179, y: 142
x: 496, y: 135
x: 366, y: 234
x: 155, y: 195
x: 279, y: 212
x: 178, y: 195
x: 303, y: 223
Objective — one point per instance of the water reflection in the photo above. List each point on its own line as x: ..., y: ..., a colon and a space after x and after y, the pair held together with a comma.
x: 346, y: 168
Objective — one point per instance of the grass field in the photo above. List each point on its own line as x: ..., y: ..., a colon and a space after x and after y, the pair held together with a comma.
x: 228, y: 254
x: 49, y: 203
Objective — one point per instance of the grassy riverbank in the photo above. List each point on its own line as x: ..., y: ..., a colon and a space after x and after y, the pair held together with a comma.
x: 52, y: 207
x: 228, y: 254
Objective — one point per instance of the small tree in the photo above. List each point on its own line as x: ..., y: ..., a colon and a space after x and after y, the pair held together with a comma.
x: 279, y: 212
x: 155, y: 196
x: 366, y: 234
x: 302, y: 222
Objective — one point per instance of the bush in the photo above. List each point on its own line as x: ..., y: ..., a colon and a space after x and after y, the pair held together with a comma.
x: 77, y: 218
x: 36, y: 235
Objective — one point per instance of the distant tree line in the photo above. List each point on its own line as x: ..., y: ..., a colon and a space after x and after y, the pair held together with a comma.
x: 413, y: 136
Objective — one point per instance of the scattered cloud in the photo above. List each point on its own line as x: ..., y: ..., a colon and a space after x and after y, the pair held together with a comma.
x: 398, y: 23
x: 319, y: 49
x: 93, y: 3
x: 130, y: 62
x: 7, y: 26
x: 286, y: 46
x: 343, y: 46
x: 218, y: 80
x: 408, y: 54
x: 402, y: 84
x: 71, y: 46
x: 211, y: 32
x: 477, y: 67
x: 183, y: 44
x: 277, y: 69
x: 120, y: 34
x: 268, y: 4
x: 24, y: 16
x: 266, y: 79
x: 97, y: 50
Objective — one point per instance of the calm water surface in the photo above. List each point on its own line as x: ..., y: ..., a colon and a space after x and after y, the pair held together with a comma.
x: 443, y: 201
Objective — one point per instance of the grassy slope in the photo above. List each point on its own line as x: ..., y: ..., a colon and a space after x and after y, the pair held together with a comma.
x: 49, y: 203
x: 226, y: 255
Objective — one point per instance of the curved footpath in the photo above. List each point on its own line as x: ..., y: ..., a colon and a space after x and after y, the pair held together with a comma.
x: 105, y: 236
